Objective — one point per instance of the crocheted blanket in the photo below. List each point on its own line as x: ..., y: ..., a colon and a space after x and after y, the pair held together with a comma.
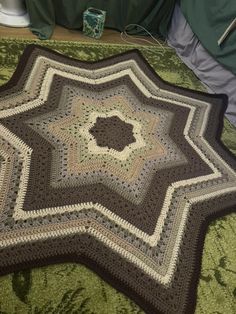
x: 106, y: 164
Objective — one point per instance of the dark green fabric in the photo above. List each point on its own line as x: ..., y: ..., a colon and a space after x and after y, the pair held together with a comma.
x: 209, y: 20
x: 154, y: 15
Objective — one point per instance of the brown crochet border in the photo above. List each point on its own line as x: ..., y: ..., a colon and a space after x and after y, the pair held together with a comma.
x: 219, y: 100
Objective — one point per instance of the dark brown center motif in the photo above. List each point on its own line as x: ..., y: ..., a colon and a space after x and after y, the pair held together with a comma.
x: 113, y: 133
x: 106, y: 164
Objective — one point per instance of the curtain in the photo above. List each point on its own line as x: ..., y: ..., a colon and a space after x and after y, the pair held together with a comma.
x: 154, y: 15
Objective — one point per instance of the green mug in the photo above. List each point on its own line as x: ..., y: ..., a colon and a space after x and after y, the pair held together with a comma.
x: 93, y: 22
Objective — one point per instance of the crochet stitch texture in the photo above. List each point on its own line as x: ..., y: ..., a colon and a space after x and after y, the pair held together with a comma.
x: 106, y: 164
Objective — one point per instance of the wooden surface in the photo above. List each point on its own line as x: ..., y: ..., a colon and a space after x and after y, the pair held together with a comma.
x: 61, y: 33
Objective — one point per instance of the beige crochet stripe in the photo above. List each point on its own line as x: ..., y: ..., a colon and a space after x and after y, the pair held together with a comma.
x: 46, y: 86
x: 155, y: 90
x: 154, y: 238
x: 74, y: 166
x: 160, y: 269
x: 15, y: 237
x: 92, y: 144
x: 218, y: 193
x: 87, y: 226
x: 164, y: 279
x: 5, y: 173
x: 212, y: 191
x: 42, y: 61
x: 89, y: 76
x: 90, y: 205
x: 84, y: 206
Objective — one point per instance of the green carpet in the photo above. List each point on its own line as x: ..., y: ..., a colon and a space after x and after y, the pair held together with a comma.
x: 72, y: 288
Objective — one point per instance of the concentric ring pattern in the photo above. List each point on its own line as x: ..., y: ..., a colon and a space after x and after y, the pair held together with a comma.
x: 106, y: 164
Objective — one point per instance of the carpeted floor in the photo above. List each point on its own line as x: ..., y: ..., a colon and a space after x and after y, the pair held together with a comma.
x: 71, y: 288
